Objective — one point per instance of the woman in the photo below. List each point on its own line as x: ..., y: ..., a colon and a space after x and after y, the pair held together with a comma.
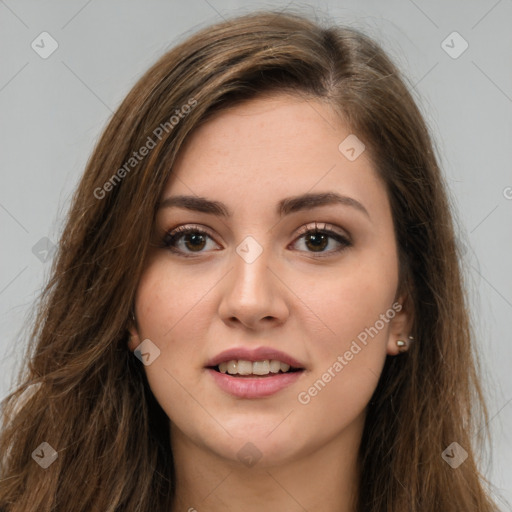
x: 257, y: 299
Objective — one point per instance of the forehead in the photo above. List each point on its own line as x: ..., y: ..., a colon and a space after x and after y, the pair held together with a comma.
x: 282, y: 126
x: 263, y: 149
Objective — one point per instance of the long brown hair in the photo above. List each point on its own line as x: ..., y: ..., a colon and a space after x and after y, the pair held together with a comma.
x: 87, y: 395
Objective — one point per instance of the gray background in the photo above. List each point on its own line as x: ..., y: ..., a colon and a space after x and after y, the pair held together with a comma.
x: 54, y: 109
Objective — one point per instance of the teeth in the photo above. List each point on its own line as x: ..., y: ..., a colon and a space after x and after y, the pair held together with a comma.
x: 275, y: 366
x: 261, y: 367
x: 243, y: 367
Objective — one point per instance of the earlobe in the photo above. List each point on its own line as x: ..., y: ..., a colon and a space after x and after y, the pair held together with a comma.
x: 133, y: 341
x: 401, y: 345
x: 134, y: 338
x: 400, y: 338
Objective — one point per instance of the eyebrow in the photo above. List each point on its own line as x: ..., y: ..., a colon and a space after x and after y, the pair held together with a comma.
x: 284, y: 207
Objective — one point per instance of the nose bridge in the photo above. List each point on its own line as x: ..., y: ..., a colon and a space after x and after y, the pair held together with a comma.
x: 250, y: 279
x: 252, y: 291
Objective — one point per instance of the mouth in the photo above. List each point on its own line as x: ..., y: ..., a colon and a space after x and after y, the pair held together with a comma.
x: 254, y: 369
x: 254, y: 373
x: 245, y: 379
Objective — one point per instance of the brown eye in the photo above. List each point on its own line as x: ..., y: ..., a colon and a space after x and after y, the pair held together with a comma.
x: 186, y: 239
x: 194, y: 241
x: 316, y: 240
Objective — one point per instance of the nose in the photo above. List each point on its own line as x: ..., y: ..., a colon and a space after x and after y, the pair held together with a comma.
x: 253, y: 294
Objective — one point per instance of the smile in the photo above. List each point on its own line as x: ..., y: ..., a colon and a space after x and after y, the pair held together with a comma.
x: 254, y: 373
x: 244, y: 367
x: 253, y: 385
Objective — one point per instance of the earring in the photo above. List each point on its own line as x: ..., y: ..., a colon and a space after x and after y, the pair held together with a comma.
x: 402, y: 345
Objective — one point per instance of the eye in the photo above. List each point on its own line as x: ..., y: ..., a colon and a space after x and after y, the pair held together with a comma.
x: 317, y: 237
x: 193, y: 238
x: 186, y: 240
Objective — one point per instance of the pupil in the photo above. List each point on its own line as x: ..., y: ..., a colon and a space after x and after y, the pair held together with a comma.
x: 194, y: 238
x: 318, y: 240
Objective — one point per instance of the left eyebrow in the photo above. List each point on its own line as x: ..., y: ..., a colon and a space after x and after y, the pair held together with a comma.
x: 308, y: 201
x: 284, y: 207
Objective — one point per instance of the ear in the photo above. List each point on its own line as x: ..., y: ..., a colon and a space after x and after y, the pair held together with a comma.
x: 400, y: 326
x: 134, y: 339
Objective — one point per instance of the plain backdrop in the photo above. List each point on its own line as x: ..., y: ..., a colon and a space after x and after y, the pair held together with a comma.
x: 54, y: 108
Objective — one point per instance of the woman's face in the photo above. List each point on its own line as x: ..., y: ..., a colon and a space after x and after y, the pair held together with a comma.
x: 252, y: 282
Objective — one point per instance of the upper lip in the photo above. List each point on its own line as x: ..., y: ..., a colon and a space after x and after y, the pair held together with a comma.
x: 258, y: 354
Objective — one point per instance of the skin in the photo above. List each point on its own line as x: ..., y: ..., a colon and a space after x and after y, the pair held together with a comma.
x: 290, y: 298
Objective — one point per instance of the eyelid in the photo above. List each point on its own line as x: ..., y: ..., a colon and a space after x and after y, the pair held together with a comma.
x: 188, y: 227
x: 321, y: 226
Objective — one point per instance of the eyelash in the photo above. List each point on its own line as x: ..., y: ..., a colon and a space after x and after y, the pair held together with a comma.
x: 174, y: 235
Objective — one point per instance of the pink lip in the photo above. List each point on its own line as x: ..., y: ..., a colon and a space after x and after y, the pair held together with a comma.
x: 253, y: 387
x: 258, y: 354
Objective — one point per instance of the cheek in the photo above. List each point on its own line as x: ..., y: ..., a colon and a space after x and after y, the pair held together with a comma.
x: 355, y: 307
x: 348, y: 361
x: 351, y: 299
x: 172, y: 311
x: 168, y: 301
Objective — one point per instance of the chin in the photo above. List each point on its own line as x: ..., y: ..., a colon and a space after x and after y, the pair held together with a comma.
x: 258, y: 445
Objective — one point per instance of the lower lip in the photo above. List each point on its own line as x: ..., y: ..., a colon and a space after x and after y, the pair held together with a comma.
x: 254, y: 387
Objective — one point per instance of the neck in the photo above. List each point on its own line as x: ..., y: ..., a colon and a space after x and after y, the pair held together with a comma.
x: 324, y: 479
